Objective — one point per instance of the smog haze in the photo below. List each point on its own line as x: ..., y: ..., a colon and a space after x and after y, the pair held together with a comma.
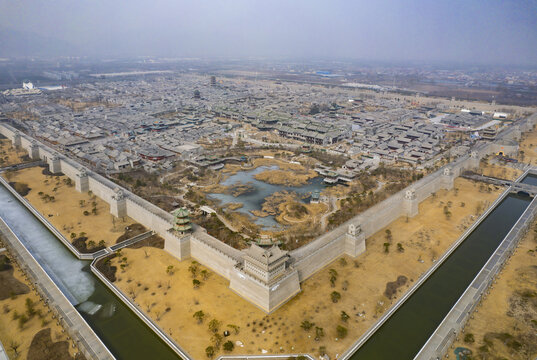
x: 486, y: 32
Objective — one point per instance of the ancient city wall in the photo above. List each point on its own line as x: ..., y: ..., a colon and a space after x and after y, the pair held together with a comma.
x: 380, y: 215
x: 222, y: 258
x: 206, y: 249
x: 180, y: 248
x: 320, y: 255
x: 428, y: 188
x: 267, y: 297
x: 145, y: 216
x: 284, y: 290
x: 213, y: 253
x: 69, y: 169
x: 326, y: 248
x: 211, y: 257
x: 7, y: 131
x: 138, y: 209
x: 26, y: 143
x: 246, y: 286
x: 97, y: 188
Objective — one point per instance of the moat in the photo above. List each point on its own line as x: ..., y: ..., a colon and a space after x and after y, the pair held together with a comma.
x: 116, y: 325
x: 111, y: 320
x: 407, y: 330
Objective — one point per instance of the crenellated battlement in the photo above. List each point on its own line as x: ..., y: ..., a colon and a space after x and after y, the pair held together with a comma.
x: 266, y: 277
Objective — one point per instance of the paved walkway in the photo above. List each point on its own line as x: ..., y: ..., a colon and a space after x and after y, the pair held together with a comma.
x: 131, y: 241
x: 332, y: 207
x: 76, y: 326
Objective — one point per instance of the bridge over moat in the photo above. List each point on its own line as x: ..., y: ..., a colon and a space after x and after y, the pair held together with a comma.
x: 516, y: 186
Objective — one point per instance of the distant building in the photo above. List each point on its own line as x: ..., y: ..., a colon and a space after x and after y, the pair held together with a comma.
x: 188, y: 151
x: 466, y: 120
x: 213, y: 80
x: 27, y: 85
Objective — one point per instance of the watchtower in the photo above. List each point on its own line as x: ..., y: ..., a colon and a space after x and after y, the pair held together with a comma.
x: 265, y: 264
x: 181, y: 222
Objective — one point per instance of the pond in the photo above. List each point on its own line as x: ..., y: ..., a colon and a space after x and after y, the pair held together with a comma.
x: 253, y: 200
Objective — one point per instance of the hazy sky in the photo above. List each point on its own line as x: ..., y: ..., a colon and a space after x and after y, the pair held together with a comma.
x: 486, y: 31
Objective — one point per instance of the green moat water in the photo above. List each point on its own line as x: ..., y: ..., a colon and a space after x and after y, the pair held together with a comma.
x: 407, y: 330
x: 530, y: 179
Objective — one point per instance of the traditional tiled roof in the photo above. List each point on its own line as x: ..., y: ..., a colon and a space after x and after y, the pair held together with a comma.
x: 265, y: 256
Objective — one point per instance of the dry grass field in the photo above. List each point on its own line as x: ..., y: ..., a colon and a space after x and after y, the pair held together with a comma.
x: 498, y: 171
x: 363, y: 284
x: 23, y: 314
x: 10, y: 155
x: 71, y: 212
x: 528, y: 148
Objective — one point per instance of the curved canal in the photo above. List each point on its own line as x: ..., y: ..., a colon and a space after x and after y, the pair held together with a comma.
x: 125, y: 335
x: 405, y: 332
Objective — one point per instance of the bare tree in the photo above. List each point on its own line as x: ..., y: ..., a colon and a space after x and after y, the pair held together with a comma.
x: 15, y: 347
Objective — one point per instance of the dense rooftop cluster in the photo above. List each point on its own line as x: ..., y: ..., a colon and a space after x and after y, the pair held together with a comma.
x: 114, y: 124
